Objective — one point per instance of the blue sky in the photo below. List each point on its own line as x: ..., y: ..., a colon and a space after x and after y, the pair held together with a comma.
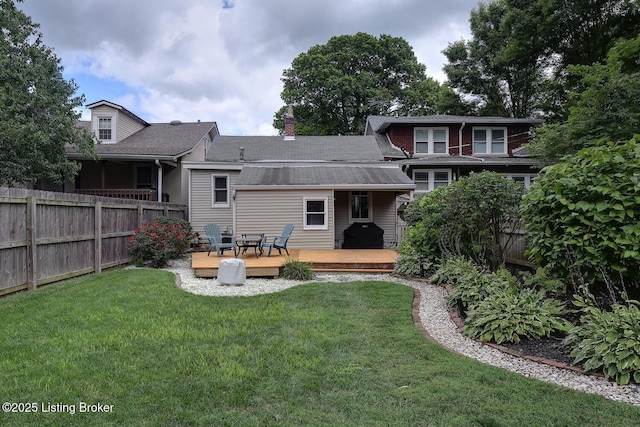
x: 222, y: 60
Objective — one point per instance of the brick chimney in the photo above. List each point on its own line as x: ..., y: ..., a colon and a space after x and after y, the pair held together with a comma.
x: 289, y: 125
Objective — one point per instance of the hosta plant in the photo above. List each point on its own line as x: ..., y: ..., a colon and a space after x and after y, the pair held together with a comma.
x: 513, y: 314
x: 608, y: 340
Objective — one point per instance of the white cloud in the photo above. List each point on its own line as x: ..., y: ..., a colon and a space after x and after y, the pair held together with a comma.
x: 222, y: 60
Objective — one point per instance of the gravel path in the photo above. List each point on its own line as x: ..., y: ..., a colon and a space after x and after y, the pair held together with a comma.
x: 436, y: 321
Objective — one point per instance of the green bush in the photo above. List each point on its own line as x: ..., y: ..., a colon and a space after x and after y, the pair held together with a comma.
x: 453, y: 269
x: 466, y: 218
x: 408, y: 265
x: 511, y: 315
x: 608, y: 340
x: 160, y: 240
x: 296, y: 270
x: 582, y: 217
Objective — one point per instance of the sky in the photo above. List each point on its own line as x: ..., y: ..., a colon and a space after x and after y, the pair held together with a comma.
x: 222, y: 60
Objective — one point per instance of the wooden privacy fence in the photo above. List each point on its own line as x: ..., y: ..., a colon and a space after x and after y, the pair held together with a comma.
x: 46, y: 237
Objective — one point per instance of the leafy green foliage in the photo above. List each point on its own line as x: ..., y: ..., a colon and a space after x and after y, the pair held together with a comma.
x: 465, y: 218
x: 513, y: 314
x: 606, y: 106
x: 296, y: 270
x: 409, y: 265
x: 160, y: 240
x: 335, y: 86
x: 583, y: 214
x: 37, y: 106
x: 499, y: 308
x: 608, y: 340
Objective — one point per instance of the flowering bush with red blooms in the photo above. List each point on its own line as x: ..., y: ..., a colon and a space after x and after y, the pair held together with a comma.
x: 159, y: 241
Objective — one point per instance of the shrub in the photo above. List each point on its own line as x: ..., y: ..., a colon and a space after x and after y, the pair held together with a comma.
x: 586, y: 209
x: 465, y: 218
x: 296, y: 270
x: 511, y: 315
x: 408, y: 265
x: 160, y: 240
x: 608, y: 340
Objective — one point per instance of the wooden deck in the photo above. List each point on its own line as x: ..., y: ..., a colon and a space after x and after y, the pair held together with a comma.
x: 321, y: 260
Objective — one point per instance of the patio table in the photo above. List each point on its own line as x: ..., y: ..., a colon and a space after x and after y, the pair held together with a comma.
x: 247, y: 241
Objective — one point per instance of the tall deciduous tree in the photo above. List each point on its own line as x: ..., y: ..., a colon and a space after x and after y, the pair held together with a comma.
x: 605, y: 109
x: 516, y: 61
x: 334, y: 87
x: 37, y: 106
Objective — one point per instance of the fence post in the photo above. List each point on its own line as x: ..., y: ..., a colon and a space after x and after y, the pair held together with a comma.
x: 98, y: 238
x: 32, y: 270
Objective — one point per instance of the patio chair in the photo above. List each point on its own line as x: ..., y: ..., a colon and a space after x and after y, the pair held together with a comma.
x: 215, y: 240
x: 278, y: 242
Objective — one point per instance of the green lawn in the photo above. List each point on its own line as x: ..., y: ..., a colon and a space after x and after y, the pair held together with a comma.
x: 320, y: 354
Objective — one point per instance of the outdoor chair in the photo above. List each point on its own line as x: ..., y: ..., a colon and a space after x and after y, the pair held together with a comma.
x: 215, y: 240
x: 278, y: 242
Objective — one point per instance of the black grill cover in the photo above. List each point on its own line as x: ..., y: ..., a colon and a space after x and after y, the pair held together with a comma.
x: 363, y: 235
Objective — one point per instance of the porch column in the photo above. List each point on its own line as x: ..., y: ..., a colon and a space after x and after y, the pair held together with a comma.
x: 159, y: 165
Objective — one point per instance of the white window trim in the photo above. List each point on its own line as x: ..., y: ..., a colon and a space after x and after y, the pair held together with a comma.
x: 306, y: 226
x: 213, y: 191
x: 430, y: 149
x: 96, y: 128
x: 367, y: 219
x: 431, y: 178
x: 528, y: 178
x: 490, y: 130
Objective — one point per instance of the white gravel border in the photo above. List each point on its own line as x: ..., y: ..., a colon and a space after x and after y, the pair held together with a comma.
x: 436, y: 321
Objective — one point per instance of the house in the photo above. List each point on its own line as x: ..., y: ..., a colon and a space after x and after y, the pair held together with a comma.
x: 436, y: 150
x: 321, y: 184
x: 137, y: 159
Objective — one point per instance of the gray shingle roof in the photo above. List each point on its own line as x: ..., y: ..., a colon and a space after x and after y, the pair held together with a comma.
x: 157, y: 139
x: 352, y: 176
x: 303, y: 148
x: 381, y: 123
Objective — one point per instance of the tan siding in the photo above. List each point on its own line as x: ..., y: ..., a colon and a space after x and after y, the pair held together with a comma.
x: 201, y: 212
x: 127, y: 126
x: 269, y: 211
x: 342, y: 216
x: 384, y: 215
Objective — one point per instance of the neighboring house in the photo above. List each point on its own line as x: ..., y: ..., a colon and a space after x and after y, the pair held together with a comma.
x: 436, y: 150
x: 321, y: 184
x: 137, y: 159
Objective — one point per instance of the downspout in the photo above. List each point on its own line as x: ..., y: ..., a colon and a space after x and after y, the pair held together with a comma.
x: 460, y: 139
x: 159, y: 165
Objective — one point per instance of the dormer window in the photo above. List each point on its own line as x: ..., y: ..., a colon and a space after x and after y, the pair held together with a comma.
x: 104, y: 129
x: 431, y: 140
x: 489, y: 140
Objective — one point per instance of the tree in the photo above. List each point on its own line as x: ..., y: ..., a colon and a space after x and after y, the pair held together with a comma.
x: 516, y: 62
x: 582, y: 216
x: 501, y: 67
x: 37, y: 106
x: 334, y: 87
x: 606, y: 108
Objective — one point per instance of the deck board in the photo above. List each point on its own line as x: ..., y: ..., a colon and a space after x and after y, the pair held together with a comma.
x: 326, y: 260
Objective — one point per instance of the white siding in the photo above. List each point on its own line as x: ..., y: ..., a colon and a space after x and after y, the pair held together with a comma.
x: 122, y: 125
x: 127, y: 126
x: 269, y: 211
x: 200, y: 210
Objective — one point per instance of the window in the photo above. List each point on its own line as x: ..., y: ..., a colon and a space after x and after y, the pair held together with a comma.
x: 430, y: 179
x: 144, y: 176
x: 220, y: 191
x: 360, y: 206
x: 104, y: 128
x: 489, y: 140
x: 525, y: 178
x: 315, y: 214
x: 431, y: 140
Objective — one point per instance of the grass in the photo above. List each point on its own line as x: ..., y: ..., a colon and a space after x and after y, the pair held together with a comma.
x: 318, y: 354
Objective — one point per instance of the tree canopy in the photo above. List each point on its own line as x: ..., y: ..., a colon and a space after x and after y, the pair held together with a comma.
x: 334, y: 87
x: 37, y: 106
x: 605, y: 108
x: 516, y: 62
